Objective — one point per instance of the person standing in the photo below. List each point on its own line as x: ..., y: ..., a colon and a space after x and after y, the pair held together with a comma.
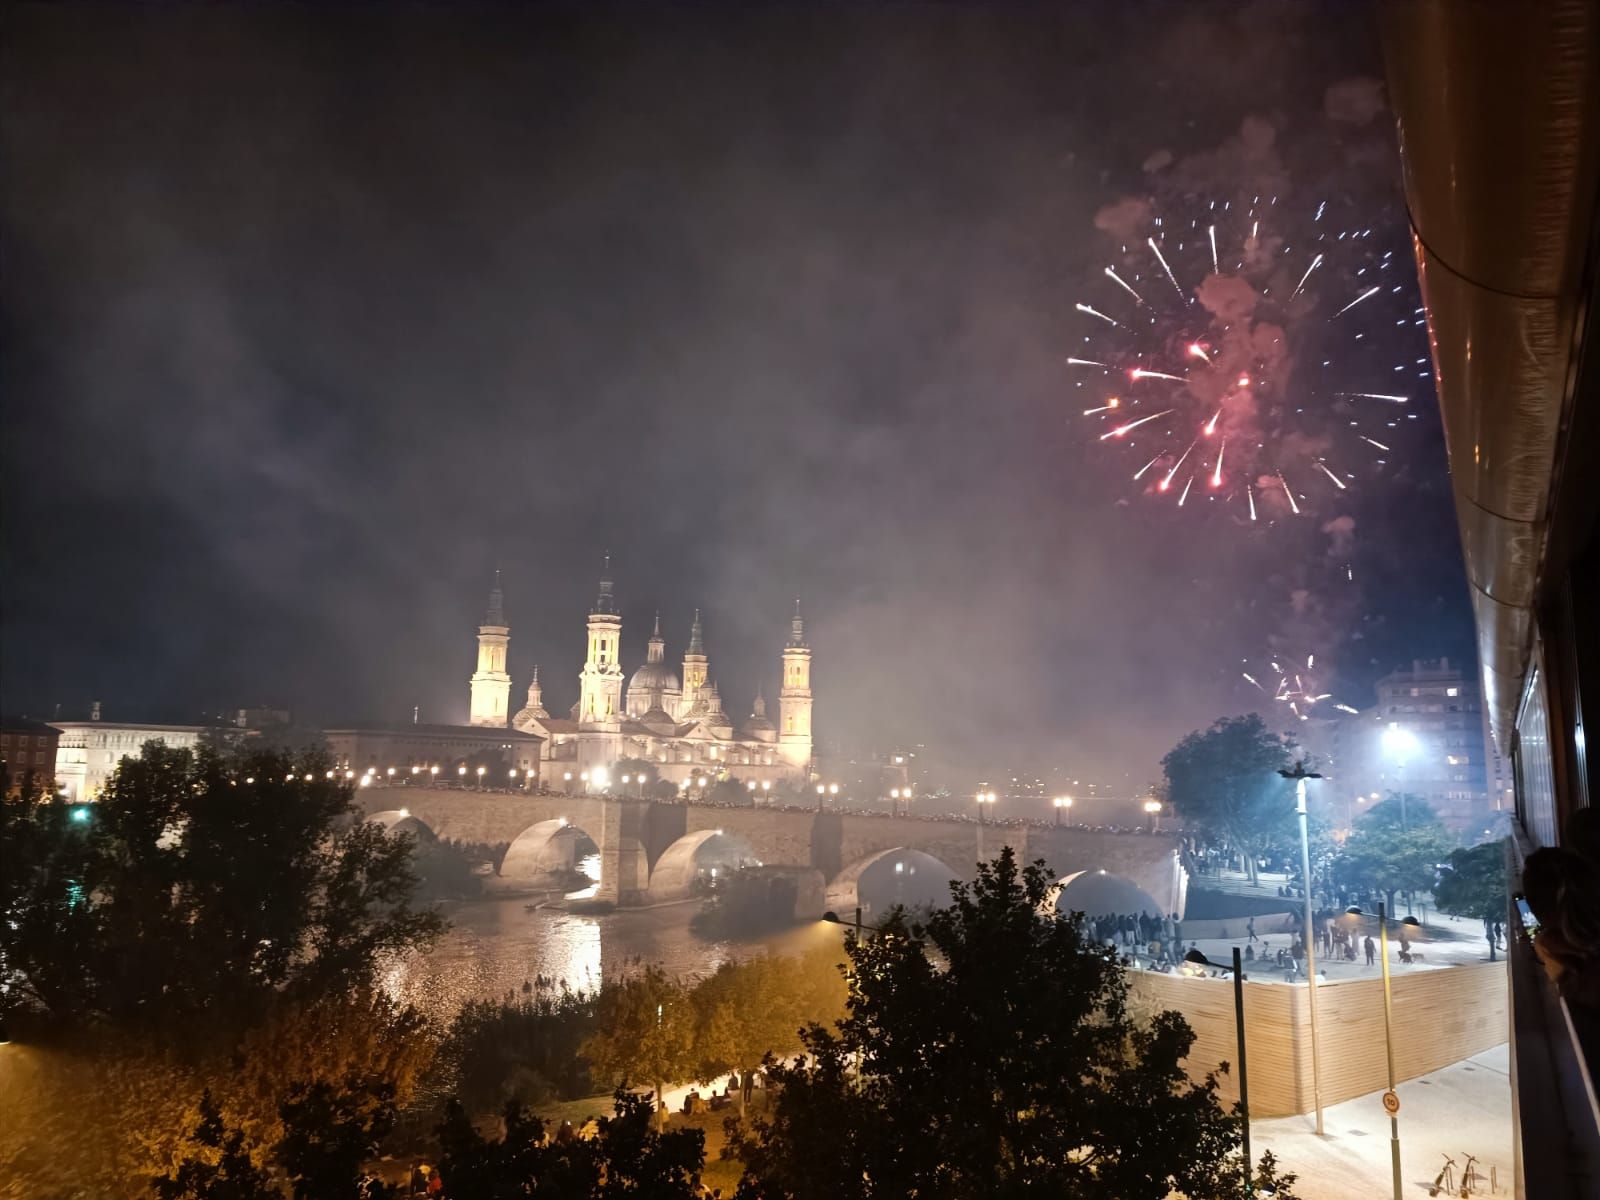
x: 1372, y: 950
x: 1250, y: 927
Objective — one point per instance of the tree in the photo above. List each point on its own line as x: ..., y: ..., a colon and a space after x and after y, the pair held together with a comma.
x: 644, y: 1029
x: 1225, y: 779
x: 627, y: 1157
x: 201, y: 885
x: 523, y: 1048
x: 219, y: 1167
x: 1474, y: 885
x: 329, y: 1130
x: 743, y: 1012
x: 1386, y: 859
x: 992, y: 1053
x: 1393, y: 812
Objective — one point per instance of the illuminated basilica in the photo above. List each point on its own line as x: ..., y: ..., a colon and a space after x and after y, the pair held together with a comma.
x: 674, y: 721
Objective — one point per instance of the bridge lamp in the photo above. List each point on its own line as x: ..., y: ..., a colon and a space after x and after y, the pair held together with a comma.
x: 289, y: 778
x: 247, y: 779
x: 366, y: 781
x: 404, y: 813
x: 833, y: 789
x: 627, y: 779
x: 513, y: 772
x: 433, y: 770
x: 349, y: 774
x: 329, y: 775
x: 766, y: 785
x: 600, y: 776
x: 1060, y: 803
x: 461, y: 770
x: 415, y: 769
x: 702, y: 781
x: 391, y: 772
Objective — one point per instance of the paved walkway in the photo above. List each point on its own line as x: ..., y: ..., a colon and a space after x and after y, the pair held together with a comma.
x: 1462, y: 1108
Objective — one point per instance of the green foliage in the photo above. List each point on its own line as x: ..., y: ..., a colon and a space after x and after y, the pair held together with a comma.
x: 193, y: 893
x: 644, y: 1030
x: 523, y: 1048
x: 1474, y: 885
x: 991, y: 1053
x: 219, y: 1167
x: 1381, y: 856
x: 329, y: 1130
x: 627, y: 1157
x: 1225, y: 779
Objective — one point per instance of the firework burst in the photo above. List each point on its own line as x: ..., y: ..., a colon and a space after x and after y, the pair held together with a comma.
x: 1200, y: 351
x: 1294, y: 681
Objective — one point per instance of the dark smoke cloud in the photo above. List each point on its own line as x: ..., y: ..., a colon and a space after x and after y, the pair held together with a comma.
x: 315, y: 315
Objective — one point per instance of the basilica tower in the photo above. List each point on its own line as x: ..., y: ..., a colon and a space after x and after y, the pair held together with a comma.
x: 491, y: 685
x: 600, y: 684
x: 794, y: 698
x: 695, y: 668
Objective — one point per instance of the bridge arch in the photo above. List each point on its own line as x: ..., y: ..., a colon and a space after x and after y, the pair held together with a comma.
x: 705, y: 851
x: 898, y: 875
x: 1098, y: 892
x: 551, y: 854
x: 400, y: 820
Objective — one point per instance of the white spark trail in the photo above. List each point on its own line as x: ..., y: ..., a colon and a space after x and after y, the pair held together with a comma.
x: 1288, y: 493
x: 1371, y: 291
x: 1378, y: 444
x: 1122, y: 429
x: 1166, y: 267
x: 1315, y: 263
x: 1120, y: 282
x: 1084, y: 362
x: 1339, y: 483
x: 1376, y: 396
x: 1141, y: 373
x: 1215, y: 269
x: 1084, y: 308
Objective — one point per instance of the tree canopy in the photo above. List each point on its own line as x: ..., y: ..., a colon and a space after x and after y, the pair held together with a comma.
x: 991, y: 1052
x: 1474, y: 884
x: 1383, y: 855
x: 1225, y: 780
x: 200, y: 884
x: 644, y: 1030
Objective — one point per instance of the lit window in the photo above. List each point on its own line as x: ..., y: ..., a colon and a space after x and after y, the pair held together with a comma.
x: 1455, y: 691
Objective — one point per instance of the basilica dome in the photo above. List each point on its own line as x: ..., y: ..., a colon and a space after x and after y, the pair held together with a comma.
x: 654, y: 677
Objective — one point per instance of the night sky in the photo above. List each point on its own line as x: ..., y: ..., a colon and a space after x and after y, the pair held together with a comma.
x: 314, y: 316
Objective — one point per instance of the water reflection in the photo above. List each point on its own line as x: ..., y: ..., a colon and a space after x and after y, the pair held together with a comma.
x: 494, y: 946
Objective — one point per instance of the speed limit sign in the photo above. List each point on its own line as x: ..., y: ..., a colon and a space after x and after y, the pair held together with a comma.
x: 1391, y: 1103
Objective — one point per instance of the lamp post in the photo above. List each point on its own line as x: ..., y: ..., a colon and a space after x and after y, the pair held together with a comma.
x: 1391, y: 1099
x: 1152, y: 810
x: 1200, y: 960
x: 1061, y: 803
x: 984, y: 798
x: 1400, y: 743
x: 1300, y: 775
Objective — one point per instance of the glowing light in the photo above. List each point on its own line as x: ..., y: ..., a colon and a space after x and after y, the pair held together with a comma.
x: 1288, y: 493
x: 1093, y: 312
x: 1345, y: 708
x: 1371, y: 441
x: 1216, y: 476
x: 1189, y: 484
x: 1376, y: 396
x: 1165, y: 482
x: 1120, y: 282
x: 1196, y: 350
x: 1252, y: 679
x: 1165, y: 266
x: 1371, y: 291
x: 1211, y: 425
x: 1140, y: 373
x: 1250, y: 493
x: 1323, y: 467
x: 1315, y: 263
x: 1215, y: 269
x: 1084, y: 362
x: 1140, y: 472
x: 1244, y: 381
x: 1122, y: 430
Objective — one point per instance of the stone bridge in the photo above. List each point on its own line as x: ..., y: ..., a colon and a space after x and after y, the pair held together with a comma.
x: 650, y: 851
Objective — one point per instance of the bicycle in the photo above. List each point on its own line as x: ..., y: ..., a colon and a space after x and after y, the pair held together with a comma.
x: 1445, y: 1180
x: 1472, y: 1179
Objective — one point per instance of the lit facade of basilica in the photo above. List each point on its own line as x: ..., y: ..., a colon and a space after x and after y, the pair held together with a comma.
x: 676, y: 722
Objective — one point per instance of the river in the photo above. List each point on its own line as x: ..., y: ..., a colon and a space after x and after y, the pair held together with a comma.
x: 493, y: 946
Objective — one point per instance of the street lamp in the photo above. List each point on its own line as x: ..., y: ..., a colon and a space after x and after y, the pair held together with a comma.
x: 1152, y: 809
x: 1391, y: 1099
x: 984, y: 798
x: 1300, y: 775
x: 1061, y: 803
x: 1401, y: 744
x: 1200, y: 960
x: 434, y: 770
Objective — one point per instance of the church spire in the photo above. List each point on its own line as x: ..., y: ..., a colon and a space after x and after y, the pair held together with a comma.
x: 496, y: 612
x: 657, y: 651
x: 797, y: 627
x: 697, y: 643
x: 605, y: 602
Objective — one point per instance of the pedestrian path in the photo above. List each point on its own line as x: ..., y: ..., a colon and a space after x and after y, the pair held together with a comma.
x: 1461, y: 1109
